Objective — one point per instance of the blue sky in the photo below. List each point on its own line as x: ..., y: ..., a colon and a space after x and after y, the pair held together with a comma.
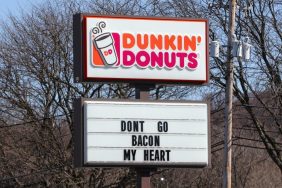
x: 13, y: 6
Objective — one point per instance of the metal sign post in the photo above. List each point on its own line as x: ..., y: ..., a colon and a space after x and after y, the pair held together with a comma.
x: 143, y: 179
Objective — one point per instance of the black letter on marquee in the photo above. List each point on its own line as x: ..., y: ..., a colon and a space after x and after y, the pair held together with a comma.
x: 162, y: 126
x: 126, y: 155
x: 157, y: 140
x: 133, y: 154
x: 134, y: 142
x: 123, y: 125
x: 167, y: 155
x: 146, y: 155
x: 141, y: 124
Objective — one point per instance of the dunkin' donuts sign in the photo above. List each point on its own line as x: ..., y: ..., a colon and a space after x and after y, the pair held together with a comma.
x: 135, y: 49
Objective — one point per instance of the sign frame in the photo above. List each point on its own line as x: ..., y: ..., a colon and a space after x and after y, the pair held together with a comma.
x: 78, y: 118
x: 80, y: 52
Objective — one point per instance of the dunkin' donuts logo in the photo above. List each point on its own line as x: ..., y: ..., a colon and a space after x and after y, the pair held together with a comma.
x: 104, y: 50
x: 111, y: 49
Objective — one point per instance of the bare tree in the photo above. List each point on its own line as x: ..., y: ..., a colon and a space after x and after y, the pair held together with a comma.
x: 36, y: 99
x: 258, y: 83
x: 37, y: 91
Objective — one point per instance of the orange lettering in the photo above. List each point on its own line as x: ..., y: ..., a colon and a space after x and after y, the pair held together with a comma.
x: 128, y: 40
x: 190, y: 43
x: 156, y: 42
x: 142, y: 44
x: 169, y: 42
x: 179, y: 42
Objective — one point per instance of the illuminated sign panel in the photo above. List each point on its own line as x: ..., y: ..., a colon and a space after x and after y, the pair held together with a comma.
x: 136, y: 49
x: 145, y: 133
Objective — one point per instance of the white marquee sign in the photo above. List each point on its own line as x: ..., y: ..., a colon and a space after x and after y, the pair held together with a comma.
x: 145, y: 133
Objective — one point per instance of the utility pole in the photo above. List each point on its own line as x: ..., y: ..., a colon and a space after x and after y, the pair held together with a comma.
x: 228, y: 100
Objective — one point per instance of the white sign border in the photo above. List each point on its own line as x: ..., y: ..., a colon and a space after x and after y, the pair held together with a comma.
x: 80, y: 53
x: 79, y: 138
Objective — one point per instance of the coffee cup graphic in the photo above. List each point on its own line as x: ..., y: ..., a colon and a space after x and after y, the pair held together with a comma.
x: 105, y: 46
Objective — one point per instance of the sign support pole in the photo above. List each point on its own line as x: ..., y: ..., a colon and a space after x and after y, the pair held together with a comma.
x: 143, y: 177
x: 142, y: 92
x: 97, y: 42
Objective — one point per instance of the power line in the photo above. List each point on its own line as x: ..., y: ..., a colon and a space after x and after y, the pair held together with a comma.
x: 240, y: 117
x: 241, y: 145
x: 254, y: 147
x: 253, y: 129
x: 217, y: 144
x: 254, y: 106
x: 247, y: 127
x: 255, y: 140
x: 217, y: 150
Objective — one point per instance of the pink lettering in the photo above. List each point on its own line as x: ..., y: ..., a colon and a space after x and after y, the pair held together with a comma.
x: 193, y: 63
x: 128, y: 58
x: 181, y: 59
x: 169, y: 63
x: 143, y: 59
x: 157, y: 59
